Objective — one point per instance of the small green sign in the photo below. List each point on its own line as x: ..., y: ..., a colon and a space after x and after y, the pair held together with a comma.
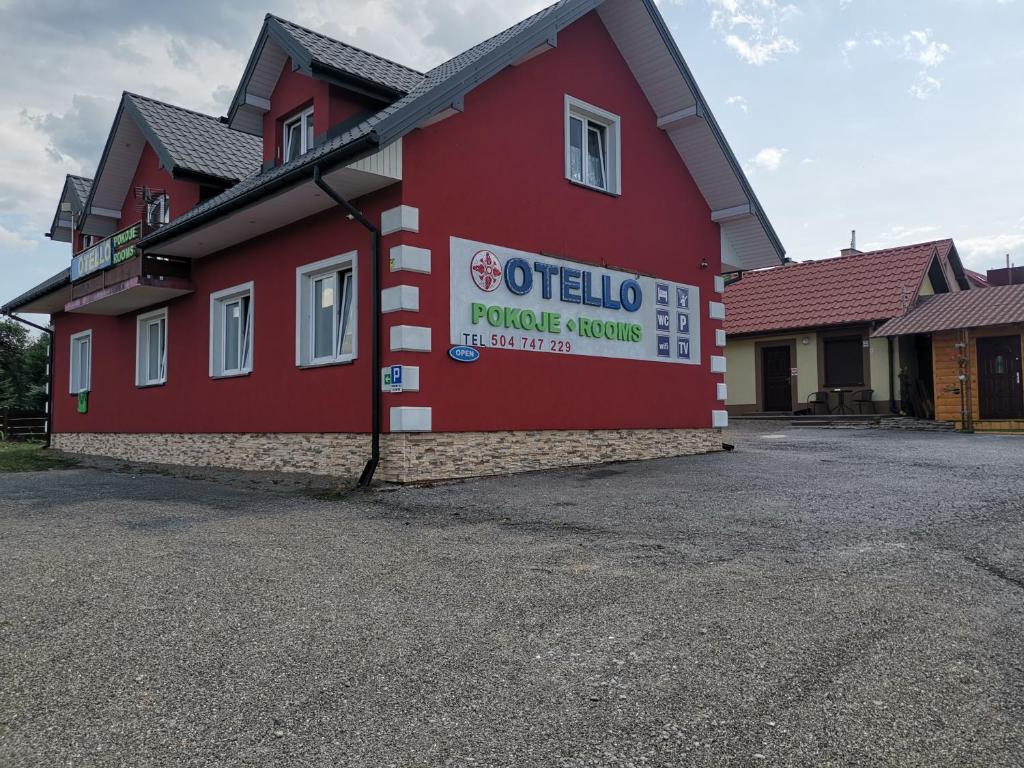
x: 83, y: 402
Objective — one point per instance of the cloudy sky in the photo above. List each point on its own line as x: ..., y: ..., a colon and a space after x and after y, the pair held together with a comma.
x: 903, y: 120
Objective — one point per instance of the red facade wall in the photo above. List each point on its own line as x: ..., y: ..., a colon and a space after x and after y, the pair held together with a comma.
x: 296, y: 92
x: 184, y: 195
x: 277, y: 396
x: 495, y: 174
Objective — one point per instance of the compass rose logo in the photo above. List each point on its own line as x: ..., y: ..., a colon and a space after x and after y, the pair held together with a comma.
x: 486, y: 270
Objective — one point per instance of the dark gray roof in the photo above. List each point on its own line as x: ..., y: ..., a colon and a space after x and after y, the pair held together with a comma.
x: 351, y: 60
x: 50, y: 284
x: 444, y: 83
x: 80, y: 186
x: 193, y: 142
x: 75, y: 191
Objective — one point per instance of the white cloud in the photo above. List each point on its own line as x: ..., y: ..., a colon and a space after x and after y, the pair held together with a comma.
x: 902, y: 234
x: 10, y: 240
x: 752, y: 28
x: 989, y: 251
x: 917, y: 46
x: 738, y: 101
x: 768, y: 159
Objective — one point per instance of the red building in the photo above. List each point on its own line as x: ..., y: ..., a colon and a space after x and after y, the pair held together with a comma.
x: 326, y: 263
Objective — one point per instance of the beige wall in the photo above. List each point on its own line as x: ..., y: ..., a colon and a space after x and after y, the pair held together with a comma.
x: 741, y: 372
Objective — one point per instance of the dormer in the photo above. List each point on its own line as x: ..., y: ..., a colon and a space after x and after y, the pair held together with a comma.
x: 300, y: 88
x: 161, y: 160
x: 66, y: 226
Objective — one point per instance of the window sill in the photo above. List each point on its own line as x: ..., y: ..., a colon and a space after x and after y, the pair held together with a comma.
x: 328, y: 363
x: 151, y: 384
x: 239, y: 375
x: 593, y: 188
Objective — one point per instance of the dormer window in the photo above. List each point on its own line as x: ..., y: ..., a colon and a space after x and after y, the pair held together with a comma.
x: 298, y: 135
x: 592, y: 146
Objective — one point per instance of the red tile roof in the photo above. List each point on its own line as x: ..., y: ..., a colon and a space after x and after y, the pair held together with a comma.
x: 859, y: 288
x: 999, y: 305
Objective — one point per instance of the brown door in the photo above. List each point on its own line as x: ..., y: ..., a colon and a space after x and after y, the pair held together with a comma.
x: 1000, y: 395
x: 775, y: 379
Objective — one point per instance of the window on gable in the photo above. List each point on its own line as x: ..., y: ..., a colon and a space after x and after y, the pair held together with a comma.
x: 151, y: 348
x: 158, y: 210
x: 231, y: 331
x: 844, y: 361
x: 298, y: 135
x: 326, y: 308
x: 81, y: 362
x: 592, y: 146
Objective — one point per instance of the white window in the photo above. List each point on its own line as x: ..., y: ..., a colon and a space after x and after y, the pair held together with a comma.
x: 151, y: 348
x: 158, y: 210
x: 592, y: 146
x: 231, y: 331
x: 298, y: 135
x: 326, y: 311
x: 81, y: 362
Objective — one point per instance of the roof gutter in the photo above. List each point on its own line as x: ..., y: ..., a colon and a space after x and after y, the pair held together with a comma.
x: 375, y: 405
x: 285, y: 180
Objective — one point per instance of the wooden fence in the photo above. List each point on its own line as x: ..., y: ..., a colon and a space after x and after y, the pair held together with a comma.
x: 22, y: 425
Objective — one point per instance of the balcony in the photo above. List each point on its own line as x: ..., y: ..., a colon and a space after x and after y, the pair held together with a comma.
x: 114, y: 277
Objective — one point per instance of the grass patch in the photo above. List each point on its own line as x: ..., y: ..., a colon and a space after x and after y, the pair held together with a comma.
x: 30, y: 457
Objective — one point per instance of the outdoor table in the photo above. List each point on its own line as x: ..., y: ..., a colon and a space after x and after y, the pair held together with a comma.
x: 841, y: 406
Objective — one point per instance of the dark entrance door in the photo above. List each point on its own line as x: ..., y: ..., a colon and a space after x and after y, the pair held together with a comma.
x: 775, y: 379
x: 999, y: 378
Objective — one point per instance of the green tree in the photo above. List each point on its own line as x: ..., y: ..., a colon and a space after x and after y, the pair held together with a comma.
x: 22, y: 367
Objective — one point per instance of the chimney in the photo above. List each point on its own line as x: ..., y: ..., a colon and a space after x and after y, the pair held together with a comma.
x: 852, y: 250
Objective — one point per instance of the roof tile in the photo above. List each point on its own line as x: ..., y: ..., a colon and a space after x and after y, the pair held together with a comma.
x: 999, y: 305
x: 862, y: 287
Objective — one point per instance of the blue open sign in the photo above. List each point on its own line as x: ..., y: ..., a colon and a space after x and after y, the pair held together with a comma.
x: 464, y: 354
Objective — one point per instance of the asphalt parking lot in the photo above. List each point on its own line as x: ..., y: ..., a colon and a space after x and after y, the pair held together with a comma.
x: 814, y: 598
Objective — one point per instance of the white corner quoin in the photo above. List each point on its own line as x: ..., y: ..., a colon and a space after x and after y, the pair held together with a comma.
x: 719, y: 419
x: 410, y: 378
x: 404, y: 218
x: 410, y: 338
x: 409, y: 258
x: 718, y: 364
x: 400, y: 298
x: 716, y: 310
x: 410, y: 419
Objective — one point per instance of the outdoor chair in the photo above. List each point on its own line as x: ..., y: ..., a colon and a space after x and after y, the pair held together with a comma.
x: 862, y: 398
x: 818, y: 402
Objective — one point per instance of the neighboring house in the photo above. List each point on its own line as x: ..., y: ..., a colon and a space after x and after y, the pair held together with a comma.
x: 800, y: 336
x: 976, y: 340
x: 531, y: 196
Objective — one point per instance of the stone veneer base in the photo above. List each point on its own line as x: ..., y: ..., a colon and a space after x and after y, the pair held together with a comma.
x: 405, y: 457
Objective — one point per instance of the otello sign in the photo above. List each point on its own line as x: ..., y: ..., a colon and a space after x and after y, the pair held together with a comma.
x: 510, y: 299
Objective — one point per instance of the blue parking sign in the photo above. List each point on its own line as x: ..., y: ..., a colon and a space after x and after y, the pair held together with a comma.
x: 396, y: 378
x: 682, y: 322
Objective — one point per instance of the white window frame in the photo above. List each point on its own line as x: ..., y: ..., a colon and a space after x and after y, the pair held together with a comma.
x: 142, y: 323
x: 75, y: 383
x: 219, y: 302
x: 304, y: 333
x: 305, y: 140
x: 612, y: 125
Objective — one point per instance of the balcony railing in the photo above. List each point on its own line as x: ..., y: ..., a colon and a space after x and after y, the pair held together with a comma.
x: 114, y: 276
